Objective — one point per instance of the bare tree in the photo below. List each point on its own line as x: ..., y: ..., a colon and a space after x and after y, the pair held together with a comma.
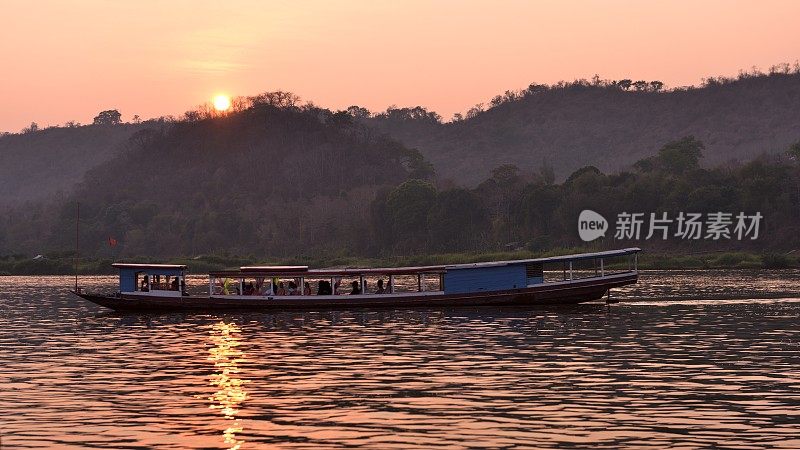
x: 32, y: 128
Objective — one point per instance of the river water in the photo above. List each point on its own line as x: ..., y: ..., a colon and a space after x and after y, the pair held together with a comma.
x: 688, y: 359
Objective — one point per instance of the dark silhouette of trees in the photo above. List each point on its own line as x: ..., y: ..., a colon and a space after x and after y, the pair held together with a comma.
x: 277, y: 99
x: 624, y: 84
x: 407, y: 209
x: 359, y: 112
x: 108, y: 117
x: 794, y: 151
x: 277, y: 178
x: 457, y: 222
x: 32, y: 128
x: 350, y: 194
x: 416, y: 114
x: 675, y: 157
x: 535, y: 88
x: 475, y: 111
x: 681, y: 155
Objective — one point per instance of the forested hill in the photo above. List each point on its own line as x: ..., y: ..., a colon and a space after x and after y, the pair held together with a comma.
x: 263, y: 180
x: 37, y: 164
x: 272, y: 179
x: 608, y: 124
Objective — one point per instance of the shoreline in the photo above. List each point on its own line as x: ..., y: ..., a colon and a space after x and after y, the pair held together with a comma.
x: 64, y: 264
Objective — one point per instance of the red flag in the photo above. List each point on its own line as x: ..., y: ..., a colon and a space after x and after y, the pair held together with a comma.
x: 112, y: 242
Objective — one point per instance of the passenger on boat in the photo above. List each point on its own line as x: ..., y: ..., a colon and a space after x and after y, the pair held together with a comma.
x: 267, y: 289
x: 336, y: 283
x: 174, y: 284
x: 307, y: 288
x: 356, y: 288
x: 324, y: 288
x: 381, y: 289
x: 145, y: 286
x: 281, y: 289
x: 249, y: 289
x: 226, y: 286
x: 293, y: 288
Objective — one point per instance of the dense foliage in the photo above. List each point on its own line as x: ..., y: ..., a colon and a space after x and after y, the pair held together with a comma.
x: 304, y: 183
x: 270, y: 180
x: 610, y: 124
x: 276, y: 180
x: 40, y: 164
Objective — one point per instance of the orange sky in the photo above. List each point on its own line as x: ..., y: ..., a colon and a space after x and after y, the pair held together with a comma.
x: 68, y: 60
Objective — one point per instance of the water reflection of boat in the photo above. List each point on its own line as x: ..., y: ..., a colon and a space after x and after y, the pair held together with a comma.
x: 555, y: 280
x: 226, y: 356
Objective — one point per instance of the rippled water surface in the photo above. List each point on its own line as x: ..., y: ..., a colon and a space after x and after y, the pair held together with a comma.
x: 688, y: 359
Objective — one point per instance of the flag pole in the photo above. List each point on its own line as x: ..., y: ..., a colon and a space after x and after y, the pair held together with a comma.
x: 77, y: 240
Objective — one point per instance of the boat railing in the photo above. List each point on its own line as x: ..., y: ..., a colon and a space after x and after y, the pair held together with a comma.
x: 590, y: 267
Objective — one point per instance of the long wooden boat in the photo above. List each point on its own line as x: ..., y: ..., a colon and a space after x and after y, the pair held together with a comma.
x: 555, y: 280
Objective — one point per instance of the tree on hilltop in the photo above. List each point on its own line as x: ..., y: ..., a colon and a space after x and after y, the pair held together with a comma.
x: 108, y: 117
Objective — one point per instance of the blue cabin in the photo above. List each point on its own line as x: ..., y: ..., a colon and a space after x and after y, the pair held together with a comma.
x: 142, y: 278
x: 486, y: 277
x: 509, y: 275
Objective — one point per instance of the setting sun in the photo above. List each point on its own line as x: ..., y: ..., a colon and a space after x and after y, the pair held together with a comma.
x: 222, y: 102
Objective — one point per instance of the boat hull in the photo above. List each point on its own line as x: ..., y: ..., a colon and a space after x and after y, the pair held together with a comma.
x: 560, y: 293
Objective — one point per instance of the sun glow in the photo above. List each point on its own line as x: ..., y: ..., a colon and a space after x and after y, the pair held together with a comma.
x: 221, y: 102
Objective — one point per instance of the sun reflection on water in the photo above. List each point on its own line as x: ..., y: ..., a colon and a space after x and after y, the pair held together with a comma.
x: 226, y: 356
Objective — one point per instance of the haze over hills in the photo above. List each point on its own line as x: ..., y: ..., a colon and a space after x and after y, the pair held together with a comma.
x: 572, y: 125
x: 259, y: 180
x: 275, y: 178
x: 565, y: 126
x: 37, y: 165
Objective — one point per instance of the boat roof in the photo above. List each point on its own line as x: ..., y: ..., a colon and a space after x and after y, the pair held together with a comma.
x: 550, y: 259
x: 274, y: 269
x: 248, y: 272
x: 303, y: 271
x: 149, y: 266
x: 381, y: 271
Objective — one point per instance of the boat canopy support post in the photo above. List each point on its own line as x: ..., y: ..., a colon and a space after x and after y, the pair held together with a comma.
x: 602, y: 269
x: 77, y: 241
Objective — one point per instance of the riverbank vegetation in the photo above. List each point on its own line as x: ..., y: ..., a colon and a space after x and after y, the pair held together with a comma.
x: 63, y: 264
